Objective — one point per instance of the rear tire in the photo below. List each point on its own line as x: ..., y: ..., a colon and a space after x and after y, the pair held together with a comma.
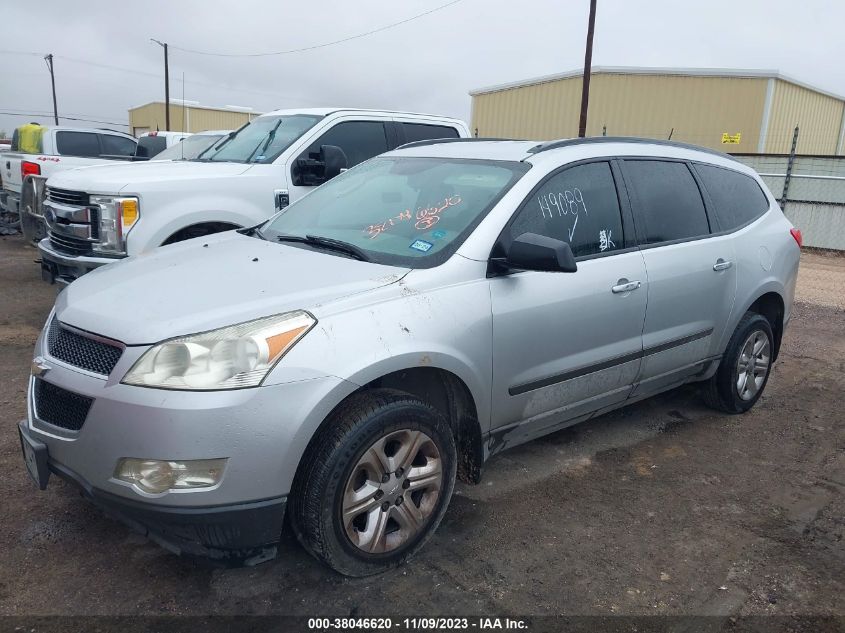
x: 375, y: 483
x: 745, y: 367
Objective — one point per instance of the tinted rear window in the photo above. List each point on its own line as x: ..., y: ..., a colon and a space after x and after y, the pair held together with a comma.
x: 669, y: 205
x: 737, y: 198
x: 84, y: 144
x: 424, y: 132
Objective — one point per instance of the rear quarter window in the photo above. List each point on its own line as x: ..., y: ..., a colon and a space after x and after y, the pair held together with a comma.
x: 737, y: 198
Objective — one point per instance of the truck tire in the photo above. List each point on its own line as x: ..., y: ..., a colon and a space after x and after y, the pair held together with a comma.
x: 375, y: 482
x: 745, y: 367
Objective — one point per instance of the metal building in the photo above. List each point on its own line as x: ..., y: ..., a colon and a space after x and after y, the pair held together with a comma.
x: 730, y: 110
x: 190, y: 117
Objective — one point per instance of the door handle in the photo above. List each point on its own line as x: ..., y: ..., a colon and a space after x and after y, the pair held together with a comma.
x: 626, y: 287
x: 721, y: 264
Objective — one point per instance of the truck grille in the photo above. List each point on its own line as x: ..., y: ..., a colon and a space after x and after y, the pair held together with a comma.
x: 81, y: 351
x: 64, y: 196
x: 60, y: 407
x: 69, y: 245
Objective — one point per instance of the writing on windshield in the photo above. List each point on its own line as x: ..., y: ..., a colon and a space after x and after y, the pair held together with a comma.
x: 425, y: 217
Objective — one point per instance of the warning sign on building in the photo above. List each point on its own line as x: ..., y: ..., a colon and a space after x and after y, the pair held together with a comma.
x: 731, y: 139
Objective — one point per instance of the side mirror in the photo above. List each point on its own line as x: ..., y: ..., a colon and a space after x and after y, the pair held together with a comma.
x: 333, y: 159
x: 530, y: 251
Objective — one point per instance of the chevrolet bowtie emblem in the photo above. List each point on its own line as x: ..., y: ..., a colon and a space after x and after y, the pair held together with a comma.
x: 39, y: 366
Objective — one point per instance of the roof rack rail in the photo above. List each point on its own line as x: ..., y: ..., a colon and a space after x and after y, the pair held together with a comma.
x: 549, y: 145
x: 437, y: 141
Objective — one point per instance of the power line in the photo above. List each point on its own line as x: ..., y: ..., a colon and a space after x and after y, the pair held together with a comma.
x: 324, y: 44
x: 66, y: 118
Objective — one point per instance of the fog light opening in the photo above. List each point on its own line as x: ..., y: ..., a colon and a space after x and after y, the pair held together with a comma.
x: 156, y: 476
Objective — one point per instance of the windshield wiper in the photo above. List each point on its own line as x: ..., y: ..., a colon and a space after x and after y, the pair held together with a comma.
x: 327, y: 243
x: 270, y: 136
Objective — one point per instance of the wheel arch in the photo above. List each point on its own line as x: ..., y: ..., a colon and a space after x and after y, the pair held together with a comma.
x: 448, y: 394
x: 212, y: 227
x: 770, y: 304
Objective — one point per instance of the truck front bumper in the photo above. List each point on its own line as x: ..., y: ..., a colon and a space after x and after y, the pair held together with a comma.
x: 61, y: 268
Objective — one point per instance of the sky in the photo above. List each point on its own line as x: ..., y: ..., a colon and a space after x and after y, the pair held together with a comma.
x: 105, y: 62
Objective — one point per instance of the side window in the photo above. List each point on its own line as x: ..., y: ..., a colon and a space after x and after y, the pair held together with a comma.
x: 85, y: 144
x: 737, y: 198
x: 669, y: 204
x: 117, y: 145
x: 423, y: 132
x: 578, y: 205
x: 359, y: 140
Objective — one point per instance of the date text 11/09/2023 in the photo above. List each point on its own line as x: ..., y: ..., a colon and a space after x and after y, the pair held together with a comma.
x: 416, y: 624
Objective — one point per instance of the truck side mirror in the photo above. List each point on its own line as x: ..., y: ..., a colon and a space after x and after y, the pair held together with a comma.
x: 333, y: 159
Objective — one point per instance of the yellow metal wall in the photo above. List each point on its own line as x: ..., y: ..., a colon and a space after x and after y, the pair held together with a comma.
x: 699, y: 108
x: 152, y: 116
x: 818, y: 116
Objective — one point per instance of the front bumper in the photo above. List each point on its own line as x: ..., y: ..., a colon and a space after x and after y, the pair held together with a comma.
x: 231, y: 535
x: 262, y: 432
x: 61, y: 268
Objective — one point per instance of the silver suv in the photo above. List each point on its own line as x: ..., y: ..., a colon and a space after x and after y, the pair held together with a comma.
x: 345, y: 361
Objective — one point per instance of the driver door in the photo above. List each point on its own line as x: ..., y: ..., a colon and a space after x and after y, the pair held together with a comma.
x: 567, y: 344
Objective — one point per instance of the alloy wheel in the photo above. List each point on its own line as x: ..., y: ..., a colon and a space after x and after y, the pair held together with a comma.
x: 753, y: 365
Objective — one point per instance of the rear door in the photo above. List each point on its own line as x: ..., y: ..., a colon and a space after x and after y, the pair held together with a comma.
x: 567, y: 344
x: 691, y: 273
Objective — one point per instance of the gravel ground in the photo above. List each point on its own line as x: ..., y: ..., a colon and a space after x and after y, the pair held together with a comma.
x: 662, y: 508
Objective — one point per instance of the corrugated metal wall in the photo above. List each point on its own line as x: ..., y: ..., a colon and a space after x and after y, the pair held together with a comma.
x: 818, y: 116
x: 700, y: 109
x: 152, y: 116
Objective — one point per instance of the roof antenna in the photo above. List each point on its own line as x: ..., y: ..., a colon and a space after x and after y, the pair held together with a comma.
x: 182, y: 142
x: 671, y: 132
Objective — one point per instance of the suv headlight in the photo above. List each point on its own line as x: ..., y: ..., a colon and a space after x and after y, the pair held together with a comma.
x: 117, y: 216
x: 229, y: 358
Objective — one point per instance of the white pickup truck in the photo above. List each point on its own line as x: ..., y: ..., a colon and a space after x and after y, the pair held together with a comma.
x: 56, y: 149
x: 98, y: 215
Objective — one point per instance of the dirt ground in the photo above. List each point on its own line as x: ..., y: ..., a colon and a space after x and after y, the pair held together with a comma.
x: 664, y: 507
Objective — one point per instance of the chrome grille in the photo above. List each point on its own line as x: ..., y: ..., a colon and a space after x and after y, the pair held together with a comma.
x: 80, y: 351
x: 60, y: 407
x: 69, y: 245
x: 65, y: 196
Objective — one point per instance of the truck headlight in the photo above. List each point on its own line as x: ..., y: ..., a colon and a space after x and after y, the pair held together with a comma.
x: 229, y: 358
x: 117, y: 216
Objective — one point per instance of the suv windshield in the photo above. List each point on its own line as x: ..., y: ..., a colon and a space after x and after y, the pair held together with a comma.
x: 190, y: 147
x: 262, y: 140
x: 401, y: 211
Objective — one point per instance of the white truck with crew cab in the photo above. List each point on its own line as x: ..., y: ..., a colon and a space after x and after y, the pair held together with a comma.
x: 98, y: 215
x: 47, y: 150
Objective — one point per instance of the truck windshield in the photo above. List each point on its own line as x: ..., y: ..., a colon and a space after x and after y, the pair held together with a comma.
x: 190, y: 147
x: 401, y: 211
x: 262, y: 140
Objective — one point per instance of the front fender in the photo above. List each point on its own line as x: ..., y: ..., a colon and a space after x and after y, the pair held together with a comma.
x: 157, y: 223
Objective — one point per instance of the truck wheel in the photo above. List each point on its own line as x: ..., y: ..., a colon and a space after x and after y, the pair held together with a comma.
x: 375, y: 483
x: 745, y: 367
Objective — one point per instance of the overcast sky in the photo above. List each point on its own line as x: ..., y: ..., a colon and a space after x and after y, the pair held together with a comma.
x: 426, y: 65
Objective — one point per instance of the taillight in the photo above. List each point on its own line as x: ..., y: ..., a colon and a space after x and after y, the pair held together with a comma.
x: 30, y: 169
x: 796, y: 233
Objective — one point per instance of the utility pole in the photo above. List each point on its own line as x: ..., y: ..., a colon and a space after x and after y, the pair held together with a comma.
x: 49, y: 60
x: 588, y: 60
x: 166, y: 85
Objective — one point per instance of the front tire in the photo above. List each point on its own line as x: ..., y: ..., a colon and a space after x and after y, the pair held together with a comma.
x: 375, y: 483
x: 745, y: 367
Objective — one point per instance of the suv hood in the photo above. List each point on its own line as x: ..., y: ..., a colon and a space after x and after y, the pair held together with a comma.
x: 110, y: 179
x: 210, y: 282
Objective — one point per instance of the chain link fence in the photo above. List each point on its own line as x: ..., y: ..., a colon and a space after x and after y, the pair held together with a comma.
x: 815, y: 186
